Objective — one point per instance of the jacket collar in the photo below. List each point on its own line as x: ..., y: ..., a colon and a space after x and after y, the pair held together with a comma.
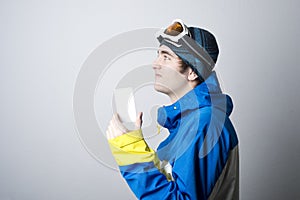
x: 205, y: 94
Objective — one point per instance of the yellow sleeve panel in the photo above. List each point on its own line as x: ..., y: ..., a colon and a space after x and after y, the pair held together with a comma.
x: 131, y: 148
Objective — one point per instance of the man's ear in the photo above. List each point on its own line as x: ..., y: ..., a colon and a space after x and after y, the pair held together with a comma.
x: 192, y: 75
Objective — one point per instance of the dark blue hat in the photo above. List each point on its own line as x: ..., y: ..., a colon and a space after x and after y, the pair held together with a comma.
x: 206, y: 40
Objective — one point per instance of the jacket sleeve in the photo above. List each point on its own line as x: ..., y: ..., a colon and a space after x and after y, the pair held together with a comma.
x: 139, y: 166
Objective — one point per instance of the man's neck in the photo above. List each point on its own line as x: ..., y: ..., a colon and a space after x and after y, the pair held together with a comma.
x: 175, y: 96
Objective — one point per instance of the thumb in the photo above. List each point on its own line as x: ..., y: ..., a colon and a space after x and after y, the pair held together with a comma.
x: 139, y: 120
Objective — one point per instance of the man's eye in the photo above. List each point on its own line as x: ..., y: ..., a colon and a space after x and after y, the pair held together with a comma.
x: 166, y: 57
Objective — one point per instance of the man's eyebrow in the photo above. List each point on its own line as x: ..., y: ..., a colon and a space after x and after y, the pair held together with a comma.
x: 165, y: 52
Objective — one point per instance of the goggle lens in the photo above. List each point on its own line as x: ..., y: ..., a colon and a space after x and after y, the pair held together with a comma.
x: 175, y: 29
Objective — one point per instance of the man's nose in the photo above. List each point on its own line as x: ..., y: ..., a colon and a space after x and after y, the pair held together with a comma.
x: 156, y: 64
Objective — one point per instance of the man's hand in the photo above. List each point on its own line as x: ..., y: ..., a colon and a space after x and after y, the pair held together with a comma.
x: 116, y: 128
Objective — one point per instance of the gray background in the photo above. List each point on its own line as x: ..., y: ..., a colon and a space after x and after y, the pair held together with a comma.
x: 44, y: 44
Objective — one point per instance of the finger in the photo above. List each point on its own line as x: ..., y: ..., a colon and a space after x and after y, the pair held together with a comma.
x: 118, y: 124
x: 116, y: 121
x: 108, y: 135
x: 109, y: 132
x: 117, y: 117
x: 139, y: 120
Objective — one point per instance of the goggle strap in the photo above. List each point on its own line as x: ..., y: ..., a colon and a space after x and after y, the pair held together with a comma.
x: 203, y: 55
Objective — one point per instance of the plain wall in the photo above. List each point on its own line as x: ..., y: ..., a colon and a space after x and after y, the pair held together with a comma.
x: 43, y: 45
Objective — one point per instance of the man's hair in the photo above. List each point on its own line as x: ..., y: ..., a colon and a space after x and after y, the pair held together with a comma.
x: 184, y: 67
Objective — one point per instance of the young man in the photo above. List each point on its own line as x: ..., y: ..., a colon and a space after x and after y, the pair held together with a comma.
x: 199, y: 159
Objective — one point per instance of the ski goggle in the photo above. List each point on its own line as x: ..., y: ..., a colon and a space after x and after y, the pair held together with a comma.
x: 175, y: 32
x: 178, y: 35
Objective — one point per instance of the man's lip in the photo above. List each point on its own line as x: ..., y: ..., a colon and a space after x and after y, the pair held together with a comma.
x: 158, y: 75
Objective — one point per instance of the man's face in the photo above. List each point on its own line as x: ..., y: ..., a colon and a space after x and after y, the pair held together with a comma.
x: 168, y: 76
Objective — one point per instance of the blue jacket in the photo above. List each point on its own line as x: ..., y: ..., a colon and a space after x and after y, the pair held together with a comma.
x: 198, y: 160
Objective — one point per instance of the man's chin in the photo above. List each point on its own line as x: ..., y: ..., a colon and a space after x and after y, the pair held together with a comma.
x: 160, y: 88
